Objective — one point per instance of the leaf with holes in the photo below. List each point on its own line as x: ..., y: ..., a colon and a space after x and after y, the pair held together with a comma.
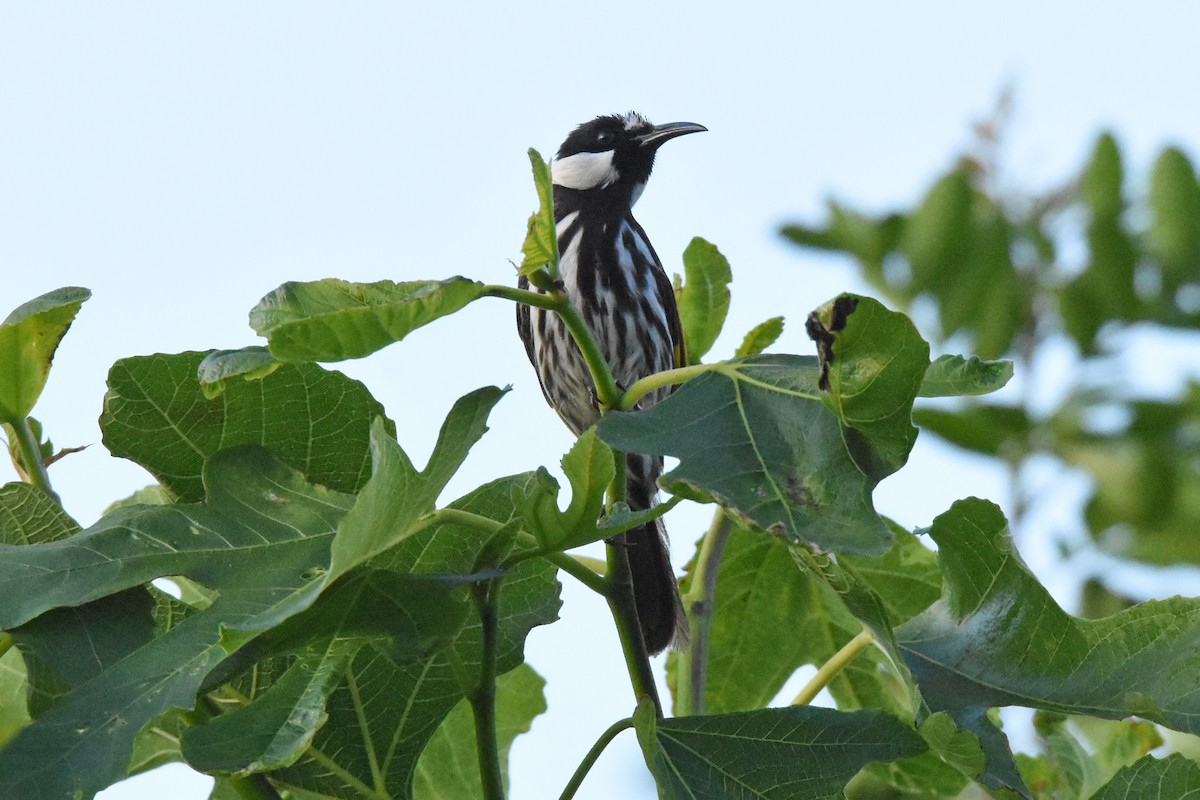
x: 759, y: 436
x: 398, y: 707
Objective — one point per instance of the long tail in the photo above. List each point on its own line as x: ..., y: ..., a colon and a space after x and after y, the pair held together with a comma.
x: 655, y: 591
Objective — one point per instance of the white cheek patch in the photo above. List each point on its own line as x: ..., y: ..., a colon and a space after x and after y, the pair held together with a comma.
x: 584, y: 171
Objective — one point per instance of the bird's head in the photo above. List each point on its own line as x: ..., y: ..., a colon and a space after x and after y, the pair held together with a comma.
x: 610, y: 158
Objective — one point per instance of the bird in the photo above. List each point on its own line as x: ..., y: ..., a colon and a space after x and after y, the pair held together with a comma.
x: 611, y: 274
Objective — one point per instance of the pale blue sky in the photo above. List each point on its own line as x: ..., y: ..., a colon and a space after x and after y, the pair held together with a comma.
x: 181, y: 160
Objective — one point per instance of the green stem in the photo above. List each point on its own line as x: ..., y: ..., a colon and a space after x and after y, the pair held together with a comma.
x: 661, y: 380
x: 483, y: 698
x: 596, y: 565
x: 607, y: 391
x: 539, y: 299
x: 467, y: 519
x: 606, y: 386
x: 618, y: 590
x: 692, y: 679
x: 581, y: 572
x: 590, y: 759
x: 618, y: 586
x: 490, y: 526
x: 31, y: 458
x: 6, y: 643
x: 619, y: 593
x: 833, y: 666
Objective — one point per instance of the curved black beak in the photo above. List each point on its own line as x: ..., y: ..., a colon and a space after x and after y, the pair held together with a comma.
x: 663, y: 133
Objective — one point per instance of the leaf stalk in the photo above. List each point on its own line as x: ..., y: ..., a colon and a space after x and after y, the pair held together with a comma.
x: 589, y: 760
x: 830, y: 669
x: 31, y: 457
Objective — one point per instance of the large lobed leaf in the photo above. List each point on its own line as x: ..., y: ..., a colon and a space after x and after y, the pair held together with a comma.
x: 996, y: 638
x: 333, y: 320
x: 770, y: 618
x: 754, y: 436
x: 1170, y: 778
x: 449, y: 765
x: 383, y: 714
x: 269, y: 544
x: 784, y: 753
x: 873, y: 363
x: 28, y: 338
x: 589, y: 469
x: 759, y: 436
x: 257, y: 539
x: 317, y: 420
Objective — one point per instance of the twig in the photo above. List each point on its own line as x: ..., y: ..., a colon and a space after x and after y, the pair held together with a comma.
x: 692, y: 678
x: 483, y: 698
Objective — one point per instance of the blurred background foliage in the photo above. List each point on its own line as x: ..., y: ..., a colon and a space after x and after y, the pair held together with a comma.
x: 1073, y: 284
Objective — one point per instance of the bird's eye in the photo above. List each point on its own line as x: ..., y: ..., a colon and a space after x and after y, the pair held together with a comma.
x: 605, y: 138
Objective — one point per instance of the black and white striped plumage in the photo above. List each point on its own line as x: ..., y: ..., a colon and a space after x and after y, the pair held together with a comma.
x: 610, y: 272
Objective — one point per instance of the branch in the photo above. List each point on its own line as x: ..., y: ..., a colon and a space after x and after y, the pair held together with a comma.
x: 483, y: 698
x: 692, y: 679
x: 618, y: 590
